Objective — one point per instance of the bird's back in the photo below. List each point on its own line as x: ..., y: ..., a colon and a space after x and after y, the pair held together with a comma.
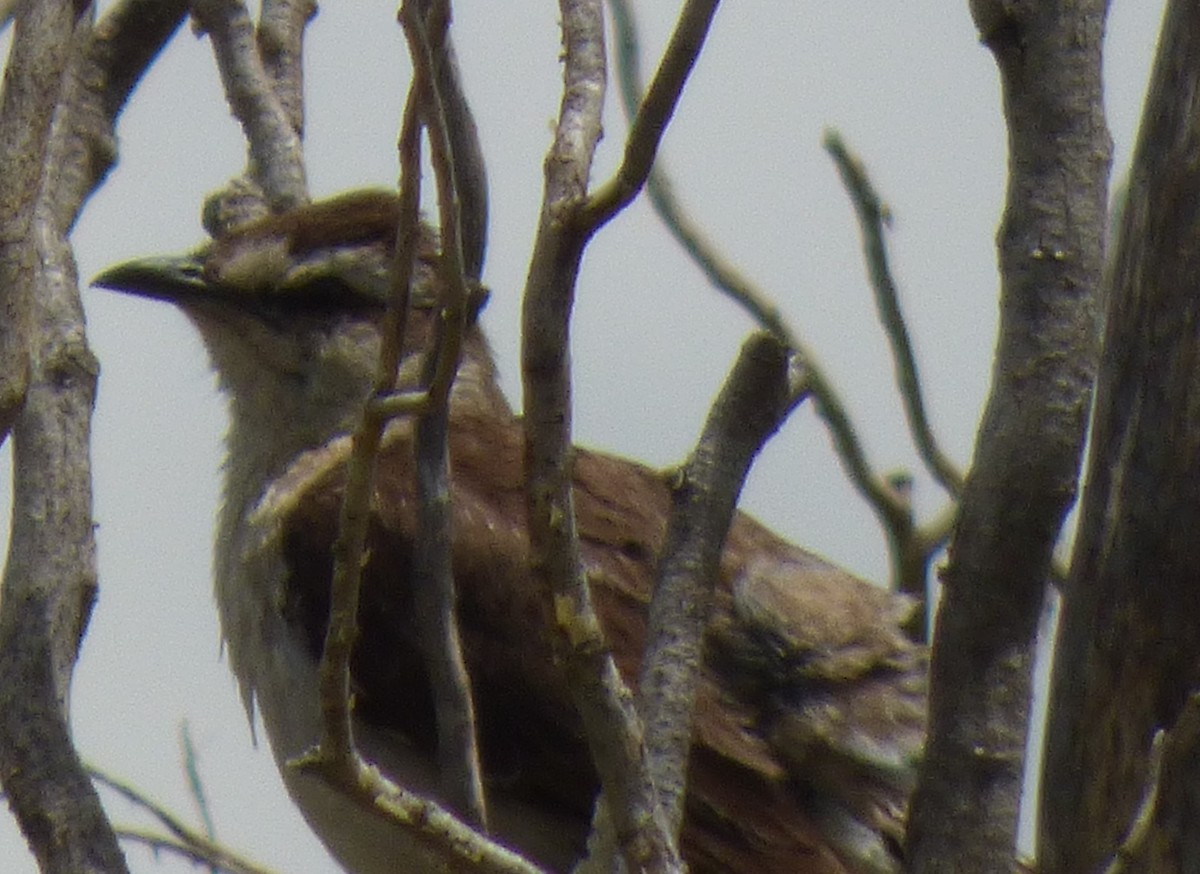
x: 810, y: 715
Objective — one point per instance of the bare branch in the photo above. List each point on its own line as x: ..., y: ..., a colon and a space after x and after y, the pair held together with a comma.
x: 183, y: 839
x: 871, y: 219
x: 335, y: 760
x: 50, y: 577
x: 462, y: 848
x: 280, y: 40
x: 604, y: 703
x: 276, y: 154
x: 32, y: 89
x: 120, y: 49
x: 453, y: 269
x: 891, y: 507
x: 336, y: 757
x: 757, y: 397
x: 125, y: 41
x: 723, y: 275
x: 653, y: 114
x: 434, y: 593
x: 1027, y: 452
x: 462, y: 140
x: 212, y: 856
x: 1128, y: 643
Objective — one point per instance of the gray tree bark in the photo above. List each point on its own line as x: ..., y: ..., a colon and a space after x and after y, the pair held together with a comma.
x: 964, y: 812
x: 1129, y: 646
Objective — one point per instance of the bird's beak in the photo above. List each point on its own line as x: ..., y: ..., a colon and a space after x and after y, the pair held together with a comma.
x: 176, y: 279
x: 256, y: 280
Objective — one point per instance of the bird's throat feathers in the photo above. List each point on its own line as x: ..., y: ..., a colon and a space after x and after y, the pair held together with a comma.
x: 295, y: 392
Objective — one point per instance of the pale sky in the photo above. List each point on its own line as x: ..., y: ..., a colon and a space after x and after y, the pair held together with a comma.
x: 908, y: 86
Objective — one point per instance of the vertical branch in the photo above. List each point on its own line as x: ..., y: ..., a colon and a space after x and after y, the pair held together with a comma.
x: 280, y: 40
x: 336, y: 756
x: 29, y: 99
x: 50, y: 577
x: 462, y: 139
x: 1028, y: 448
x: 1129, y: 643
x: 604, y: 704
x: 434, y: 592
x: 276, y: 155
x: 569, y: 218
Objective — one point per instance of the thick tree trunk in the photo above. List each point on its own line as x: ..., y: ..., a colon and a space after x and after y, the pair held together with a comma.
x: 1129, y: 647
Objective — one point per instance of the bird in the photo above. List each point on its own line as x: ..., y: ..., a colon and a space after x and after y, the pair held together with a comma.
x: 810, y: 716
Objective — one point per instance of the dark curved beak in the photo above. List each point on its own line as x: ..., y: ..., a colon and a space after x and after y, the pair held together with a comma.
x: 175, y: 278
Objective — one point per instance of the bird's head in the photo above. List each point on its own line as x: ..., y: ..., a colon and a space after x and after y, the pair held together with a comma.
x: 291, y: 307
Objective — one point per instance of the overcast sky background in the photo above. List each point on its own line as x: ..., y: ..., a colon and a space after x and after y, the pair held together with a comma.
x: 908, y: 86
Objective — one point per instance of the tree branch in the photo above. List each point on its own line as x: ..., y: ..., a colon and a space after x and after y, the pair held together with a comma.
x: 604, y: 703
x: 49, y: 580
x: 653, y: 114
x: 757, y: 397
x: 462, y: 140
x: 871, y: 219
x: 911, y: 548
x: 280, y: 40
x: 50, y: 577
x: 276, y: 152
x: 1128, y: 643
x: 1027, y: 452
x: 181, y: 838
x: 435, y: 598
x: 33, y: 86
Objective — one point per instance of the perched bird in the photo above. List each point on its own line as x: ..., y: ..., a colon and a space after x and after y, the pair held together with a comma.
x: 811, y: 710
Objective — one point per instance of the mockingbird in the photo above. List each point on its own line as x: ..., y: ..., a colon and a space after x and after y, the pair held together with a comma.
x: 810, y: 715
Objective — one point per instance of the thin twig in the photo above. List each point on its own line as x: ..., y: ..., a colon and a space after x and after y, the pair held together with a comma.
x: 182, y: 839
x: 729, y: 280
x: 453, y: 268
x: 433, y: 584
x: 462, y: 139
x: 215, y: 857
x: 653, y: 114
x: 191, y: 769
x: 1169, y: 751
x: 723, y: 275
x: 336, y: 751
x: 871, y: 219
x: 335, y: 760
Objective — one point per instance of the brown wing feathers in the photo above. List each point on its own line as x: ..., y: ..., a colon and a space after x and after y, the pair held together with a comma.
x: 790, y: 632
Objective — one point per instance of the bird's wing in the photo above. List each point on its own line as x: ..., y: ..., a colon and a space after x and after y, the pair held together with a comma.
x: 811, y: 706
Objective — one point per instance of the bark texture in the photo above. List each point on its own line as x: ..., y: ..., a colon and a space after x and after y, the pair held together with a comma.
x: 1028, y: 448
x: 1129, y: 647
